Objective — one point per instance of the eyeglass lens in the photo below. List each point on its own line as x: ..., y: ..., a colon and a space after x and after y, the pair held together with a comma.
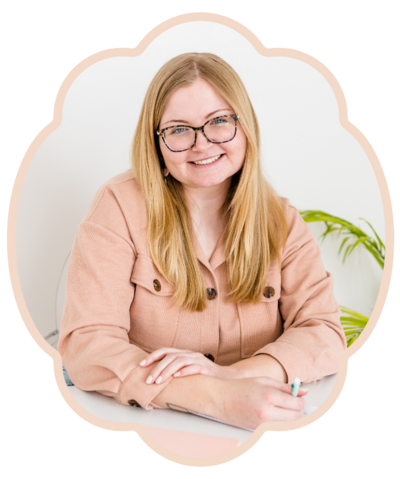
x: 218, y: 130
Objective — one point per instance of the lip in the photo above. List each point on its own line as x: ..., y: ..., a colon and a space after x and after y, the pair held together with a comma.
x: 211, y: 164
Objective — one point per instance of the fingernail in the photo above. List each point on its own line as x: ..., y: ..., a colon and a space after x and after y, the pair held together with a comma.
x: 149, y: 379
x: 177, y: 374
x: 159, y: 379
x: 142, y: 363
x: 304, y: 390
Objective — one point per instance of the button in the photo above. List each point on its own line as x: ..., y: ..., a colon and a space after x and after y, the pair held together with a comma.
x: 269, y: 292
x: 157, y: 285
x: 211, y: 293
x: 210, y: 357
x: 134, y: 403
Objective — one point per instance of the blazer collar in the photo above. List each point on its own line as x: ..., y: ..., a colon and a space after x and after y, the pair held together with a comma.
x: 218, y: 255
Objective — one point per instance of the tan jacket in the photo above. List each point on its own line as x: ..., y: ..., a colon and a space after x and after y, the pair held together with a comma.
x: 118, y: 307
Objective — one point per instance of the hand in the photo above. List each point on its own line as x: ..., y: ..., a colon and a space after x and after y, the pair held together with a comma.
x: 181, y: 363
x: 249, y: 402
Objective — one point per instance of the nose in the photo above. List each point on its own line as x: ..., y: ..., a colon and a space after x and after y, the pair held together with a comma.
x: 202, y: 143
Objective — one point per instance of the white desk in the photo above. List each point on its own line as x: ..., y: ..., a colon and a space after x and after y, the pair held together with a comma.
x: 163, y: 419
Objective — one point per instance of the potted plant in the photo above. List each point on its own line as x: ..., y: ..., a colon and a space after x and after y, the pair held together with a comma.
x: 353, y: 323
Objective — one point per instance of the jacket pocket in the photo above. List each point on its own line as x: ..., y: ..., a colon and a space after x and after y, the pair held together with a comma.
x: 153, y: 317
x: 261, y: 323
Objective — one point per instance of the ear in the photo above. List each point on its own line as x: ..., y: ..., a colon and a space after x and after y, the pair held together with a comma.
x: 166, y: 172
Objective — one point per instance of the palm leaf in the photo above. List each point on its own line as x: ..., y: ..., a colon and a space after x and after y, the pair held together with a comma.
x: 360, y: 240
x: 354, y: 314
x: 353, y: 324
x: 334, y: 223
x: 345, y: 253
x: 343, y: 243
x: 376, y: 234
x: 351, y: 339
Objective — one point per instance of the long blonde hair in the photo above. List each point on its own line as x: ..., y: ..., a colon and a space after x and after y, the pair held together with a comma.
x: 256, y: 227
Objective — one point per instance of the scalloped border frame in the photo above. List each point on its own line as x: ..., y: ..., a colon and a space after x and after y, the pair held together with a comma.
x: 53, y: 124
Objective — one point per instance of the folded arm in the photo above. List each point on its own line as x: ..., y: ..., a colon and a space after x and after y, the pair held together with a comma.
x: 163, y: 363
x: 94, y: 343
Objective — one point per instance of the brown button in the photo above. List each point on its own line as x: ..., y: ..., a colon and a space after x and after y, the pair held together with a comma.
x: 210, y: 357
x: 211, y: 293
x: 157, y: 285
x: 269, y: 292
x: 134, y: 403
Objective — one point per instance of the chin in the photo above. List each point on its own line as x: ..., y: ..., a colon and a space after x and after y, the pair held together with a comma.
x: 212, y: 182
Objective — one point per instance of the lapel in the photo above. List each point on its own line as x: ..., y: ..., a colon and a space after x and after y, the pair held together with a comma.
x: 218, y: 255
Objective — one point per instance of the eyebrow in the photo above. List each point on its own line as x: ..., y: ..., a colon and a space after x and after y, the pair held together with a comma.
x: 184, y: 121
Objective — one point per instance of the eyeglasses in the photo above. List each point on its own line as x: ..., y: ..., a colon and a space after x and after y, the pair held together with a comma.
x: 183, y: 137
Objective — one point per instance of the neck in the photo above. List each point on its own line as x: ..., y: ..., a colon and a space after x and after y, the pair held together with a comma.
x: 205, y: 204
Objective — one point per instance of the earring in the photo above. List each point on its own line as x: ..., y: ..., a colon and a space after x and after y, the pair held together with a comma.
x: 166, y: 173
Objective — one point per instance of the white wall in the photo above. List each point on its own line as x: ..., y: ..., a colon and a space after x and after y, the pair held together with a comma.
x: 306, y: 153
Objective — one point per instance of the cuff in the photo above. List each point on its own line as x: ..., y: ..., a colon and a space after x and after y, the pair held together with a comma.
x: 284, y: 360
x: 134, y: 390
x: 257, y: 353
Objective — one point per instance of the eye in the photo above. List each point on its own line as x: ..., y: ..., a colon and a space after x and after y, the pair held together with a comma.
x: 178, y: 130
x: 218, y: 121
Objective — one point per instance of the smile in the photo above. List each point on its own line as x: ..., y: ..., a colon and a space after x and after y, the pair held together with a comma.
x: 208, y: 161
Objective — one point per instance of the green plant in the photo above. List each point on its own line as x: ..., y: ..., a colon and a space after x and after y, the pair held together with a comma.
x: 334, y: 223
x: 354, y: 323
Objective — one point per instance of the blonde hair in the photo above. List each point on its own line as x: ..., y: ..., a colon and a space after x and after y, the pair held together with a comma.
x: 256, y: 226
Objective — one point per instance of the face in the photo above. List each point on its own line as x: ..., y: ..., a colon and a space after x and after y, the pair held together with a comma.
x: 194, y: 105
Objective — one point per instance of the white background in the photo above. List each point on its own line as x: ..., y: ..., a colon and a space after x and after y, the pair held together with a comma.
x: 306, y: 155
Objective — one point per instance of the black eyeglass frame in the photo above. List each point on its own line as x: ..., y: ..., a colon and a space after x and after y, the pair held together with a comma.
x: 161, y: 132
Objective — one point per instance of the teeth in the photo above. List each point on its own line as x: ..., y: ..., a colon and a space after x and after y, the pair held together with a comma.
x: 207, y: 162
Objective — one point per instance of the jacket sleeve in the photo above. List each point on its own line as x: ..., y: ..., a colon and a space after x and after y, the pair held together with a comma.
x: 313, y: 339
x: 94, y: 343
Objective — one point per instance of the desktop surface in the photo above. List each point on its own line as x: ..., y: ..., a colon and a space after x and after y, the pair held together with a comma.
x: 158, y: 421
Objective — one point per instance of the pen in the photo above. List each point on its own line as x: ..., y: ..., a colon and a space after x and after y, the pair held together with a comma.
x: 295, y: 387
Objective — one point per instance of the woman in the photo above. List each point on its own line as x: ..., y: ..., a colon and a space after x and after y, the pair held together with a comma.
x: 192, y: 285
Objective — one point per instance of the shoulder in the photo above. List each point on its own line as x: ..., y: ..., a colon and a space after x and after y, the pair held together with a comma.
x: 117, y: 203
x: 124, y: 184
x: 293, y: 216
x: 119, y: 190
x: 300, y: 234
x: 288, y: 207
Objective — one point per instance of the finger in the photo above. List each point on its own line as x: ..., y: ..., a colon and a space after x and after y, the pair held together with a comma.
x: 284, y: 387
x: 158, y: 369
x: 283, y: 415
x: 156, y: 356
x: 190, y: 371
x: 176, y: 367
x: 287, y: 401
x: 302, y: 392
x: 159, y: 354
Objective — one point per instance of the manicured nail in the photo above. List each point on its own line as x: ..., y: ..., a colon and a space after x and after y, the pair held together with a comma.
x: 149, y: 379
x: 177, y: 374
x: 304, y: 390
x: 159, y: 379
x: 142, y: 363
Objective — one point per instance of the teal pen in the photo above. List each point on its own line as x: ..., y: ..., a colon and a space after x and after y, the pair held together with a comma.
x: 295, y: 387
